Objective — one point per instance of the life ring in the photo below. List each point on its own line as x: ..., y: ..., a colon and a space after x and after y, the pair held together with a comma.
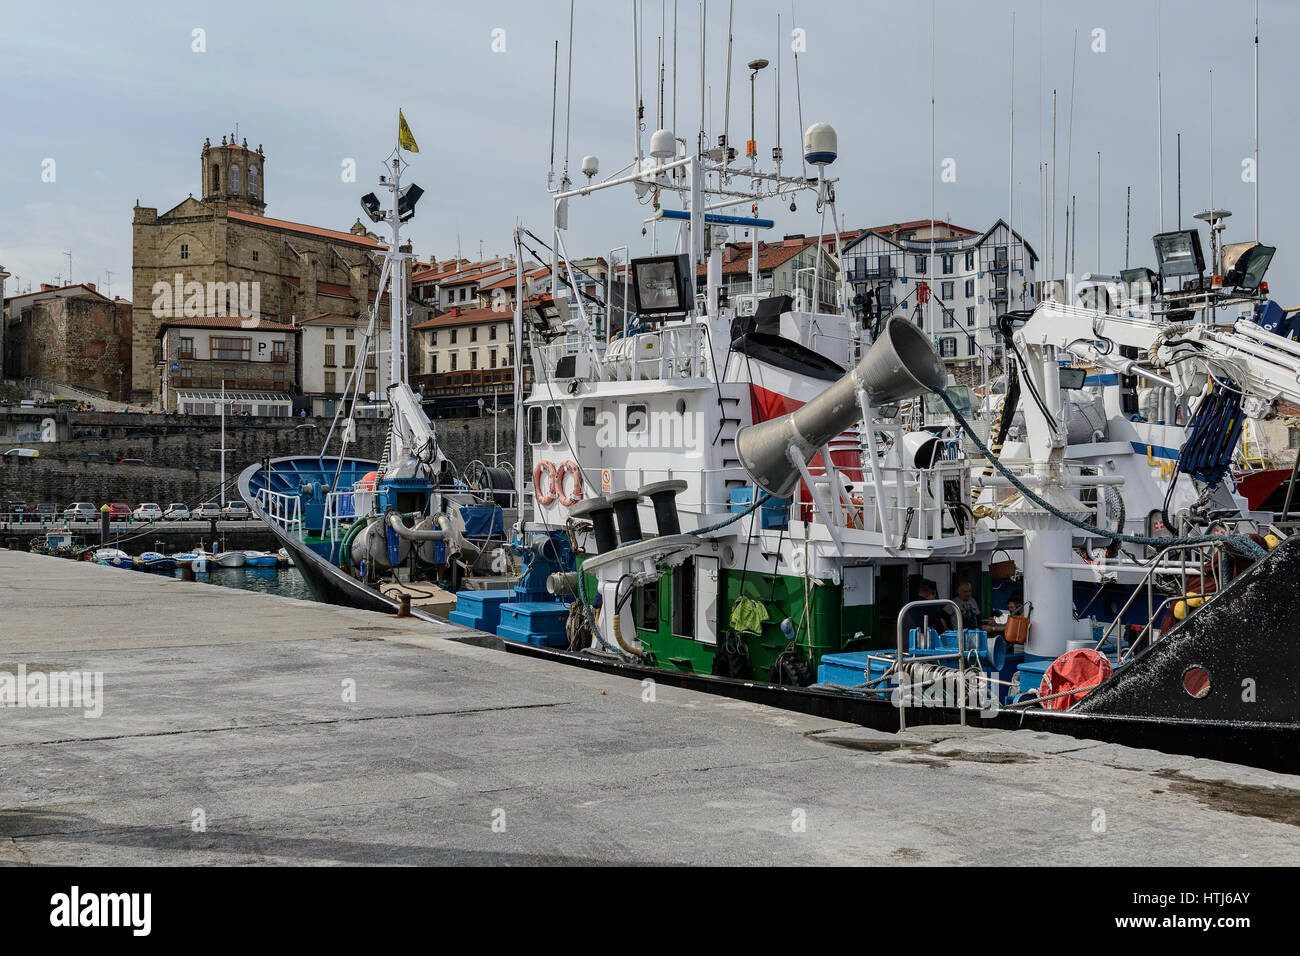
x: 544, y: 496
x: 567, y: 498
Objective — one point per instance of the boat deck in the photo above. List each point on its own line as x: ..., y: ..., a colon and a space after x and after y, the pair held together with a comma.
x: 229, y: 707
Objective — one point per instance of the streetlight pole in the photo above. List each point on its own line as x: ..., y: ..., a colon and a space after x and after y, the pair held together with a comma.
x: 3, y: 323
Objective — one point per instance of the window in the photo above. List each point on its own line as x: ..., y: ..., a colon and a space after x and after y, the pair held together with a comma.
x: 948, y: 347
x: 636, y: 418
x: 535, y: 425
x: 946, y: 291
x: 185, y: 373
x: 255, y: 255
x: 277, y: 377
x: 453, y: 360
x: 948, y: 319
x: 920, y: 265
x: 554, y: 433
x: 187, y: 347
x: 970, y: 316
x: 329, y: 332
x: 473, y: 333
x: 227, y: 349
x: 234, y: 179
x: 185, y: 250
x: 492, y: 332
x: 1000, y: 257
x: 883, y: 297
x: 330, y: 381
x: 948, y: 264
x: 278, y: 353
x: 352, y: 333
x: 349, y: 355
x: 433, y: 362
x: 970, y: 288
x: 228, y: 375
x: 473, y: 358
x: 253, y: 177
x: 970, y: 259
x: 433, y: 337
x: 453, y: 337
x: 492, y: 358
x: 462, y: 293
x: 216, y: 179
x: 329, y: 355
x: 370, y: 360
x: 1293, y: 438
x: 370, y: 382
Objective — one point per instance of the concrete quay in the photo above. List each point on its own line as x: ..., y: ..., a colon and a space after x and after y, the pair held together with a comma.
x: 240, y: 728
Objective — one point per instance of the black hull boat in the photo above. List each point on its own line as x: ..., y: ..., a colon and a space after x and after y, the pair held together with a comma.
x: 1223, y: 685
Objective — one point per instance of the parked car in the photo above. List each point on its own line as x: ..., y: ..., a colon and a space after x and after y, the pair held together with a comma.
x: 149, y: 511
x: 133, y: 461
x: 81, y: 511
x: 177, y: 512
x: 47, y: 511
x: 237, y: 511
x: 22, y: 453
x: 208, y: 510
x: 18, y: 511
x: 119, y: 511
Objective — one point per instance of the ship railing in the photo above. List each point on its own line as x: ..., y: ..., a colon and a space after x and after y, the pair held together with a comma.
x: 284, y: 510
x: 340, y: 508
x: 905, y: 680
x: 670, y: 353
x: 909, y: 507
x: 1173, y: 561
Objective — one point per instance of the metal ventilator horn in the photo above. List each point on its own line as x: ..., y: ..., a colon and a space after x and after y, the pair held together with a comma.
x: 901, y: 364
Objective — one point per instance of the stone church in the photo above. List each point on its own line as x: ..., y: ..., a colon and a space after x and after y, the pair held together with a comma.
x: 221, y: 256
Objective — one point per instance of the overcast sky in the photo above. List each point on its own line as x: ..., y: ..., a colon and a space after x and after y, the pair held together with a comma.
x: 116, y: 95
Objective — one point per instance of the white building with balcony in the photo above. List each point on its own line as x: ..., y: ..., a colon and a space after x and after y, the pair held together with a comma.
x: 954, y: 293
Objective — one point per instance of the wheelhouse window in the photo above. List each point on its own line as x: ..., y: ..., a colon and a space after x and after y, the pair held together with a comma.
x: 554, y: 433
x: 535, y: 425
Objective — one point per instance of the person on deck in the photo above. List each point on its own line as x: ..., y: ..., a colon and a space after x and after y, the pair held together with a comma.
x: 970, y: 608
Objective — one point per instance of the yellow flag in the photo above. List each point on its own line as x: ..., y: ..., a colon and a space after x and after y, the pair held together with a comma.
x: 404, y: 137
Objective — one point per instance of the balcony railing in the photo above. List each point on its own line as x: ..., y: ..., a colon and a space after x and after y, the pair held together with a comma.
x: 279, y: 357
x: 468, y: 381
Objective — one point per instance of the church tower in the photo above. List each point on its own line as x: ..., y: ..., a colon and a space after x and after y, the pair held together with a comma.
x: 233, y: 174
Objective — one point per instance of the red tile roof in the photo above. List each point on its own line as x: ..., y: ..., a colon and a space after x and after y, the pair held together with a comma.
x: 333, y: 288
x: 320, y: 233
x: 226, y: 322
x: 474, y: 316
x: 736, y: 255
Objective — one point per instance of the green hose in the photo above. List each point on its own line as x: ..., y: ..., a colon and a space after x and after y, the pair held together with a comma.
x: 345, y: 548
x: 1239, y: 542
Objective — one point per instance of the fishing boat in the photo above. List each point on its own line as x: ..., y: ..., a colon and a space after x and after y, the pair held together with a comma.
x: 260, y: 559
x: 113, y: 557
x: 58, y: 543
x: 197, y: 560
x: 774, y: 497
x: 154, y: 561
x: 228, y: 559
